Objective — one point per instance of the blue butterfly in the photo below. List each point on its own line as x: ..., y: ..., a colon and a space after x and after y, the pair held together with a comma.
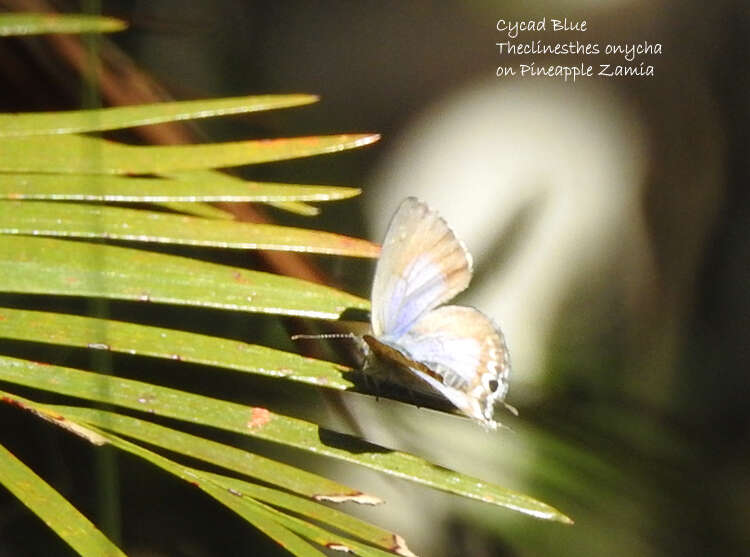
x: 454, y: 351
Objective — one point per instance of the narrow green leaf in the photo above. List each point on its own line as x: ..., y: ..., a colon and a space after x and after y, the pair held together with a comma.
x: 244, y: 499
x: 296, y: 207
x: 49, y: 266
x: 270, y: 471
x: 143, y: 340
x: 239, y: 501
x: 203, y: 210
x: 51, y: 507
x: 36, y: 24
x: 263, y: 191
x: 53, y: 417
x: 260, y: 422
x: 246, y: 507
x: 326, y: 515
x: 253, y: 513
x: 211, y: 482
x: 113, y: 118
x: 78, y: 154
x: 264, y: 521
x: 203, y: 186
x: 41, y: 218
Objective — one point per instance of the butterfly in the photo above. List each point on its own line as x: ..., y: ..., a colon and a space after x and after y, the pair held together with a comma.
x: 453, y: 351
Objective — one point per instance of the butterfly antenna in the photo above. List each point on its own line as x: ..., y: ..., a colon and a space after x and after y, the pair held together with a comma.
x: 325, y: 336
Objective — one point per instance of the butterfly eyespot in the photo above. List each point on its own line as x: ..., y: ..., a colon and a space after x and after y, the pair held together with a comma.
x: 493, y: 385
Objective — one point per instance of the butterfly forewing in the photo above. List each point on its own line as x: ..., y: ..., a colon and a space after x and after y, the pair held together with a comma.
x: 422, y: 265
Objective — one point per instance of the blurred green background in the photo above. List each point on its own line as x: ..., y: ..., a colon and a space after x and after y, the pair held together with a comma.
x: 609, y: 223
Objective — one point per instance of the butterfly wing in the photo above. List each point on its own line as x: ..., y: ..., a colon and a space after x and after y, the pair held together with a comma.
x: 466, y: 358
x: 454, y: 351
x: 422, y: 265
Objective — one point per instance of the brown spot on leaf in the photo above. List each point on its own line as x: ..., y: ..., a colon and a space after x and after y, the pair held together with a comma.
x: 238, y: 277
x: 399, y: 547
x: 259, y: 418
x: 13, y: 402
x: 58, y: 419
x: 352, y: 496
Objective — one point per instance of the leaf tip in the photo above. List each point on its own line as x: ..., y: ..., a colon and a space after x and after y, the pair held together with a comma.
x: 111, y: 24
x: 367, y: 139
x: 566, y: 519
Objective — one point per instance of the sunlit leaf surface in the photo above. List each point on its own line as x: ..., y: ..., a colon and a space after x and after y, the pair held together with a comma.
x: 112, y: 118
x: 76, y: 154
x: 36, y: 24
x: 50, y: 266
x: 51, y: 507
x: 143, y: 340
x: 260, y: 422
x: 189, y: 187
x: 115, y: 223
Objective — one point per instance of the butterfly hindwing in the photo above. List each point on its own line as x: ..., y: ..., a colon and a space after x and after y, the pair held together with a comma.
x: 467, y: 352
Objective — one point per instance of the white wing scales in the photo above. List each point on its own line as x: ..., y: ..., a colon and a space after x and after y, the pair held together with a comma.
x: 468, y: 352
x: 455, y: 350
x: 422, y: 265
